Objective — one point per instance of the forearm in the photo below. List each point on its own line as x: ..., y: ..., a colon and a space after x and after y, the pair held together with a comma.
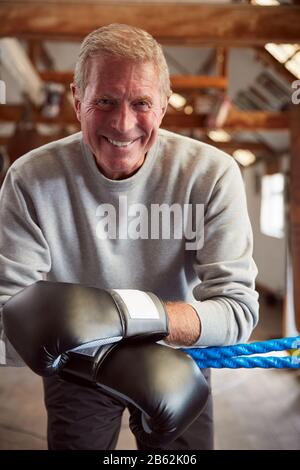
x: 184, y: 324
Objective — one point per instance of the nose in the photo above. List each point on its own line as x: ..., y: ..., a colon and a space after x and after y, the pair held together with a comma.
x: 123, y: 119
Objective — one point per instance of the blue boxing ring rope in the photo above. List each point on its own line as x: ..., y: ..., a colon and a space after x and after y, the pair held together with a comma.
x: 235, y: 357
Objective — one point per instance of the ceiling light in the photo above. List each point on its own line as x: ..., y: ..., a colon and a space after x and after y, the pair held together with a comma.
x: 188, y: 109
x: 244, y: 157
x: 265, y: 2
x: 219, y: 136
x: 177, y: 101
x: 281, y: 52
x: 293, y: 65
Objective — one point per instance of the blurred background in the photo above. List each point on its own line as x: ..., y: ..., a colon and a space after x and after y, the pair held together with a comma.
x: 235, y: 73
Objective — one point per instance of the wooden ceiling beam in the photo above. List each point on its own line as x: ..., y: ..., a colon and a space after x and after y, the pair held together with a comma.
x: 169, y: 23
x: 267, y: 58
x: 222, y: 62
x: 63, y: 77
x: 197, y: 82
x: 236, y: 121
x: 294, y: 209
x: 37, y: 53
x: 4, y: 140
x: 231, y: 146
x: 14, y: 113
x: 178, y: 82
x: 256, y: 120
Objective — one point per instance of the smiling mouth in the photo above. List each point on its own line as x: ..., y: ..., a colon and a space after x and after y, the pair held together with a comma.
x: 119, y: 143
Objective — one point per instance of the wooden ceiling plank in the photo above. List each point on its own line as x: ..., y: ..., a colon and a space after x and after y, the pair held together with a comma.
x: 196, y: 82
x: 170, y: 23
x: 256, y: 120
x: 37, y: 53
x: 231, y: 146
x: 237, y: 121
x: 294, y: 207
x: 267, y: 58
x: 178, y: 82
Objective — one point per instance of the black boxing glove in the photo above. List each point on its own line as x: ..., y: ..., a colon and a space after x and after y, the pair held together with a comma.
x: 166, y: 387
x: 46, y: 319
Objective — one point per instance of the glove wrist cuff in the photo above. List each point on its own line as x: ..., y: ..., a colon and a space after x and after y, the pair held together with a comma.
x: 142, y: 313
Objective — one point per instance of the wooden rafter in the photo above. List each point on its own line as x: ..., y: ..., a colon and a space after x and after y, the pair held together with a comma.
x: 265, y: 56
x: 178, y: 82
x: 256, y: 120
x: 170, y: 23
x: 229, y: 147
x: 237, y: 120
x: 221, y: 61
x: 294, y: 207
x: 197, y: 82
x: 37, y: 53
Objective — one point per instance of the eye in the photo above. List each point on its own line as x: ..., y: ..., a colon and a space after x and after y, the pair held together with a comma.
x: 142, y: 105
x: 105, y: 102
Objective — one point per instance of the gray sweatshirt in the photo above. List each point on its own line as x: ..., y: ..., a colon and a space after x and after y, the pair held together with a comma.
x: 178, y: 227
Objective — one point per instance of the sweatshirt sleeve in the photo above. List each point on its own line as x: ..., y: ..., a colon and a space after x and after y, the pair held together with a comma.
x: 24, y: 252
x: 225, y: 299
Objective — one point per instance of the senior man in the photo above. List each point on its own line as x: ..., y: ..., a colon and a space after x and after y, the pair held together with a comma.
x: 126, y: 205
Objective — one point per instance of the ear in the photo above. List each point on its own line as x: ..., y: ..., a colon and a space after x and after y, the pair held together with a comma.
x: 76, y: 101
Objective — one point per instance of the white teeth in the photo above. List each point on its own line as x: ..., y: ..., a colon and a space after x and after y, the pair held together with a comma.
x: 119, y: 144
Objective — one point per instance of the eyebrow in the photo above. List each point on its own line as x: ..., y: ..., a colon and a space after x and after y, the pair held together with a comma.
x: 139, y: 98
x: 144, y: 98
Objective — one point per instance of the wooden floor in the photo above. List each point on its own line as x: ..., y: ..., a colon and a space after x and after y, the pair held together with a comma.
x: 257, y: 409
x: 254, y: 409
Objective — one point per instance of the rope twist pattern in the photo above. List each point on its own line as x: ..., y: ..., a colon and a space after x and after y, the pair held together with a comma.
x: 235, y: 357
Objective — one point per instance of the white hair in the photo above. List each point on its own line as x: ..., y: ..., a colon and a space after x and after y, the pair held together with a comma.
x: 121, y: 40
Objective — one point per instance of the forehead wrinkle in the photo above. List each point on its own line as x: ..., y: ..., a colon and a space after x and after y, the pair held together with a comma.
x: 110, y: 82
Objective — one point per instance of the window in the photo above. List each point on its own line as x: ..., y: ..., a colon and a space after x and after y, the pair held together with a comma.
x: 272, y: 205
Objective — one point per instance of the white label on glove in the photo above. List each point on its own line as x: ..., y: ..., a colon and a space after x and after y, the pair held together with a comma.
x: 138, y: 303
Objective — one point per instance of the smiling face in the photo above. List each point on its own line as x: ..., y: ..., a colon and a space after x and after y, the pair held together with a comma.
x: 120, y: 113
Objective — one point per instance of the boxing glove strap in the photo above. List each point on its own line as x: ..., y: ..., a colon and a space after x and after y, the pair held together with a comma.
x: 82, y: 365
x: 141, y: 313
